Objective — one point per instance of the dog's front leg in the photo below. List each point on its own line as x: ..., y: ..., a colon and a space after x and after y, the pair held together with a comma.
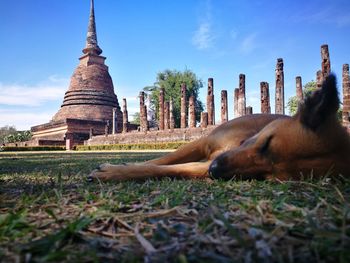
x: 144, y: 171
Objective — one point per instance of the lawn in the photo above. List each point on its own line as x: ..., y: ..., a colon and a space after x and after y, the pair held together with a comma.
x: 50, y: 213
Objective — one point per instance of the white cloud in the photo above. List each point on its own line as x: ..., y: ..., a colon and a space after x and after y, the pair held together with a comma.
x: 203, y: 38
x: 248, y: 44
x: 33, y: 95
x: 329, y: 15
x: 23, y: 120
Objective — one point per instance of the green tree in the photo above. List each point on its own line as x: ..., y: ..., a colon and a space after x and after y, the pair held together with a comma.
x: 5, y: 131
x: 171, y: 81
x: 293, y: 101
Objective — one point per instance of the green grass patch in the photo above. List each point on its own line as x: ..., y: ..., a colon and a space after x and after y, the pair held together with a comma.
x: 50, y: 213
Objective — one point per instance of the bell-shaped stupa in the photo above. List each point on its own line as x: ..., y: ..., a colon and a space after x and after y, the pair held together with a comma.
x: 91, y: 94
x: 90, y: 106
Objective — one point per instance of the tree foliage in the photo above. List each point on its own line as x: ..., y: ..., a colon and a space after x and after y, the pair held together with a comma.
x: 293, y: 101
x: 9, y: 134
x: 171, y: 81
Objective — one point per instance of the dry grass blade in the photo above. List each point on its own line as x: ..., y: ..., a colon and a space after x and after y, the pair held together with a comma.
x: 143, y: 241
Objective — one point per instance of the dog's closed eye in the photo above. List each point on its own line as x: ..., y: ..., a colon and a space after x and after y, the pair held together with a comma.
x: 265, y: 146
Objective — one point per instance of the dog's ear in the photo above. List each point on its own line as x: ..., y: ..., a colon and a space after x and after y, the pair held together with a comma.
x: 321, y: 105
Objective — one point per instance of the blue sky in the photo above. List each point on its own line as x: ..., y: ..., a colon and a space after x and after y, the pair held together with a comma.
x: 42, y: 40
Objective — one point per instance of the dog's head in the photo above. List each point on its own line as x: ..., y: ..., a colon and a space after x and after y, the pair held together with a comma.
x: 311, y: 143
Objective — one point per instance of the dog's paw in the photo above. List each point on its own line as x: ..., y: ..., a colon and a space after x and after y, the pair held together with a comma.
x: 106, y: 172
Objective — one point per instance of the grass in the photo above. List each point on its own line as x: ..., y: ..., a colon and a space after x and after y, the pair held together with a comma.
x: 49, y: 213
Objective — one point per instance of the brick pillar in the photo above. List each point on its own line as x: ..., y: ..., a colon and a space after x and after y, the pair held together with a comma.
x: 113, y: 120
x: 192, y: 112
x: 204, y: 119
x: 171, y: 115
x: 299, y: 88
x: 183, y: 122
x: 326, y: 63
x: 224, y: 107
x: 241, y: 96
x: 69, y: 141
x: 166, y: 116
x: 125, y: 116
x: 91, y: 133
x: 235, y: 103
x: 210, y: 102
x: 161, y: 109
x: 279, y: 104
x: 249, y: 110
x: 265, y: 97
x: 346, y: 97
x: 143, y: 113
x: 319, y: 79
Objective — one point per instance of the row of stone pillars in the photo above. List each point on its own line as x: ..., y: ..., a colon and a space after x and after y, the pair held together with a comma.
x: 166, y: 118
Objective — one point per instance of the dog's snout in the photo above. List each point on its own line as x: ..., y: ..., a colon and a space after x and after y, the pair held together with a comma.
x: 216, y: 169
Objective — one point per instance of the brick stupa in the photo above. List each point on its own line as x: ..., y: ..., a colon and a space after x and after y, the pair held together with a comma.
x: 90, y: 103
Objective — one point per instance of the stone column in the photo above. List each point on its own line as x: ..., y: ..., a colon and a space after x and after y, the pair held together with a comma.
x: 204, y: 119
x: 161, y: 109
x: 235, y: 103
x: 143, y: 113
x: 319, y: 79
x: 346, y: 97
x: 192, y: 112
x: 224, y: 107
x: 326, y: 63
x: 299, y: 88
x: 210, y: 102
x: 241, y: 96
x: 166, y: 116
x: 91, y: 133
x: 125, y: 116
x: 249, y: 110
x: 265, y: 98
x: 113, y: 120
x: 183, y: 123
x: 279, y: 104
x: 171, y: 115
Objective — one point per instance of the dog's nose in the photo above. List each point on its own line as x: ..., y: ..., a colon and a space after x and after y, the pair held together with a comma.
x: 215, y: 169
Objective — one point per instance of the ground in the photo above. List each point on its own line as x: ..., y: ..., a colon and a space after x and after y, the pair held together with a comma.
x: 49, y: 212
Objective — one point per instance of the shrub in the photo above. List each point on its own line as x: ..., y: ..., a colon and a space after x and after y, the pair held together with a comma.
x: 131, y: 146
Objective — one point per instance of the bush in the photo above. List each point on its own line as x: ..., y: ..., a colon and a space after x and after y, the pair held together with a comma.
x: 32, y: 148
x: 131, y: 146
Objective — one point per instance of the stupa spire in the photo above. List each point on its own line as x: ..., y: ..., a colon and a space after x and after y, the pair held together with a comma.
x: 91, y: 39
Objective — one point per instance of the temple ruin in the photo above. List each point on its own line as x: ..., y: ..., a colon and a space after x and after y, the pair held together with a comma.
x: 90, y: 103
x: 279, y: 98
x: 265, y: 98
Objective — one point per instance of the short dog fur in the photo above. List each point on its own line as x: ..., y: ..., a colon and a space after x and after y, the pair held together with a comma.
x: 259, y: 146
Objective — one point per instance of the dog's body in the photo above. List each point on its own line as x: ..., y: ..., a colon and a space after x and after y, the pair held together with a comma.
x: 260, y: 146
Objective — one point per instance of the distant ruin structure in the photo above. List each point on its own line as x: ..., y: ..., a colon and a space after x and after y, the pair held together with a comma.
x: 265, y: 97
x: 161, y: 109
x: 183, y: 121
x: 171, y: 115
x: 346, y: 97
x: 326, y: 63
x: 249, y: 110
x: 224, y: 106
x: 241, y: 102
x: 279, y: 102
x: 143, y: 113
x: 204, y: 119
x: 125, y: 116
x: 235, y: 102
x: 299, y: 88
x: 210, y: 102
x: 192, y: 112
x: 166, y: 115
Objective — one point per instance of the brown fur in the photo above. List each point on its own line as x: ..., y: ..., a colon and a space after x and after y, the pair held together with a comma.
x: 257, y: 146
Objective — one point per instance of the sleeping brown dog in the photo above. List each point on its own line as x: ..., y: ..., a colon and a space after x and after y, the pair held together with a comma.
x: 258, y: 146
